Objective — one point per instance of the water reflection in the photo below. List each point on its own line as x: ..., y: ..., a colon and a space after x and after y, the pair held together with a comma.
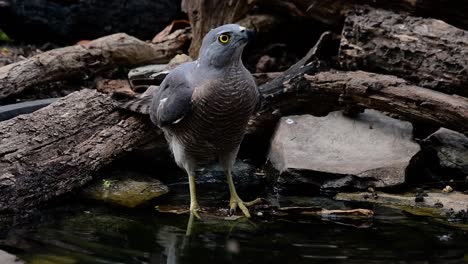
x: 106, y: 235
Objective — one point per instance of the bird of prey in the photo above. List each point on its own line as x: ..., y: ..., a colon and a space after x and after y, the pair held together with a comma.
x: 204, y: 106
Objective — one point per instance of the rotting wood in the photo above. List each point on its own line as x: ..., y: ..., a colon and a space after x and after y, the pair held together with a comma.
x: 88, y: 59
x: 428, y: 52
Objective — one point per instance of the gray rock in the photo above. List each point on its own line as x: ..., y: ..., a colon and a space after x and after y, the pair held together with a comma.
x: 336, y: 151
x: 7, y: 258
x: 125, y: 191
x: 448, y: 152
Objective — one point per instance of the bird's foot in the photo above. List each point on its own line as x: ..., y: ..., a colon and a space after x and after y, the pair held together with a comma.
x: 235, y: 202
x: 194, y: 209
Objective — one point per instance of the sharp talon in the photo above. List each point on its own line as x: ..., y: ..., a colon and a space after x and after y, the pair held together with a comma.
x: 231, y: 212
x: 237, y: 202
x: 195, y: 213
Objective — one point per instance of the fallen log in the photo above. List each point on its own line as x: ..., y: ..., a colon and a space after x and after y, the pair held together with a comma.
x: 87, y: 59
x: 58, y: 148
x: 392, y: 95
x: 428, y: 52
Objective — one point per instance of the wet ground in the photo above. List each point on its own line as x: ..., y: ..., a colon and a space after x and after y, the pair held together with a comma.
x: 87, y: 232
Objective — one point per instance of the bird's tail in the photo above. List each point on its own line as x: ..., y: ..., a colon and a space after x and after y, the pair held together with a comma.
x: 139, y: 104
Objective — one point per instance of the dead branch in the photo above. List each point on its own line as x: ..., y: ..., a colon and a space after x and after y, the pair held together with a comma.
x: 81, y: 60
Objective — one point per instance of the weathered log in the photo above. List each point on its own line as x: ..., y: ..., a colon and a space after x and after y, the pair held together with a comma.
x: 427, y: 52
x: 58, y: 148
x: 87, y: 59
x: 393, y: 95
x: 71, y: 21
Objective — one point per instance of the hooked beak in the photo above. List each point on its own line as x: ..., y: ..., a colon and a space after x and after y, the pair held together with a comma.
x: 247, y: 34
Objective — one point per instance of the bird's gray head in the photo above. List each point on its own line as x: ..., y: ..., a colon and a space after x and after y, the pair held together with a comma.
x: 223, y: 45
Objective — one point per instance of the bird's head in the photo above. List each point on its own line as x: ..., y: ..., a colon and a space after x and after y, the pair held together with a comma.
x: 223, y: 45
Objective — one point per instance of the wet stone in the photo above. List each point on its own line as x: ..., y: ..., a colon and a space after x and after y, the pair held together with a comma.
x: 336, y: 151
x: 446, y: 154
x: 125, y: 191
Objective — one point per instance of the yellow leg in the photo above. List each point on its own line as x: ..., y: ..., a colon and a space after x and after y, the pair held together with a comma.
x: 236, y: 201
x: 194, y: 208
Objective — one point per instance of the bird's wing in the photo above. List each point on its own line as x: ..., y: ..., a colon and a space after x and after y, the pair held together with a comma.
x: 172, y: 101
x: 136, y: 103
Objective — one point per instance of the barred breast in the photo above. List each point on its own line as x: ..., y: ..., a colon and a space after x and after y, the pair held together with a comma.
x: 221, y: 111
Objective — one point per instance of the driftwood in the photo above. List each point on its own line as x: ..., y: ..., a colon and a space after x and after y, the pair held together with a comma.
x: 87, y: 59
x: 427, y: 52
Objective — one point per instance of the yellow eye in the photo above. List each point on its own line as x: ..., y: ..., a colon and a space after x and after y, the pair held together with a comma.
x: 223, y: 38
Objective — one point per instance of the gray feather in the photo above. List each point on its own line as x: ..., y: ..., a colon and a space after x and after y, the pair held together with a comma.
x: 173, y: 100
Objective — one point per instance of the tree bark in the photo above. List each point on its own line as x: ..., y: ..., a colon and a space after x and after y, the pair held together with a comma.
x: 81, y: 60
x: 427, y: 52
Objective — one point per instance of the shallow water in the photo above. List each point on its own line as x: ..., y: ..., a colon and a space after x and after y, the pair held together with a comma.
x: 91, y: 232
x: 104, y: 234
